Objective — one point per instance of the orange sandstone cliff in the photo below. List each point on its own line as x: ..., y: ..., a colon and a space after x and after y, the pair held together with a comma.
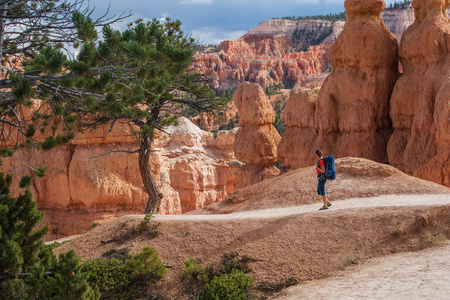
x: 420, y: 101
x: 85, y: 184
x: 269, y: 54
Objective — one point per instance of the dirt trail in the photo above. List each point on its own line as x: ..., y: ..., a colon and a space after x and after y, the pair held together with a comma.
x: 352, y: 203
x: 412, y: 275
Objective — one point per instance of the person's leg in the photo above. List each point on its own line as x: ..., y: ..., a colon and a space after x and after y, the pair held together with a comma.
x: 325, y: 198
x: 321, y: 192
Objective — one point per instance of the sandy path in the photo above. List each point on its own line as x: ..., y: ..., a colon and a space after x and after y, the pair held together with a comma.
x: 413, y: 275
x: 352, y: 203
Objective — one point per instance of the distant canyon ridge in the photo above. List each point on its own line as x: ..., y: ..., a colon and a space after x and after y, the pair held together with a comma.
x: 283, y: 52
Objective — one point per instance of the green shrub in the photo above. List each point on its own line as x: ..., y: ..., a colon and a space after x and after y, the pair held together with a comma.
x: 146, y: 226
x: 29, y: 268
x: 122, y: 279
x: 95, y: 224
x: 146, y: 264
x: 113, y: 278
x: 195, y: 271
x: 234, y: 286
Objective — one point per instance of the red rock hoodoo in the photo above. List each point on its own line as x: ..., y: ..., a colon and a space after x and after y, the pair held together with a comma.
x: 353, y: 104
x: 257, y: 139
x: 351, y: 112
x: 300, y: 132
x: 420, y: 106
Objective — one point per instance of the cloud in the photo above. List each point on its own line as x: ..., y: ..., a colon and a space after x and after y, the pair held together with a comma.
x: 212, y: 35
x: 196, y: 2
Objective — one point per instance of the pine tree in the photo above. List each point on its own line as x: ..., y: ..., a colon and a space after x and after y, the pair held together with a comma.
x: 28, y: 268
x: 139, y: 76
x: 28, y: 27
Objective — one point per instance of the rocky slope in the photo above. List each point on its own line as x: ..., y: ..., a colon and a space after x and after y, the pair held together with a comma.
x: 278, y: 51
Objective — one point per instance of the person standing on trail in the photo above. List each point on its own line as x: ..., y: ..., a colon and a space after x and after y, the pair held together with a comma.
x: 321, y: 180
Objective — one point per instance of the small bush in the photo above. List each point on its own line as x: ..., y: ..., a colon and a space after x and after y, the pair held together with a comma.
x: 95, y: 224
x: 351, y: 258
x: 124, y: 279
x: 113, y: 278
x: 234, y: 286
x: 398, y: 232
x: 435, y: 239
x: 231, y: 261
x: 146, y: 264
x: 195, y: 271
x: 147, y: 226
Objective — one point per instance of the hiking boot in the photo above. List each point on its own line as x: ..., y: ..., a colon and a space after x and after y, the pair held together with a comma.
x: 329, y: 204
x: 323, y: 208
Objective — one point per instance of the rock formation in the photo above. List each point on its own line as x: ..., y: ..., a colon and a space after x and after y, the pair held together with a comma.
x: 256, y: 140
x: 353, y: 104
x: 420, y: 143
x: 229, y: 70
x: 269, y: 54
x: 276, y: 52
x: 300, y: 134
x: 83, y: 185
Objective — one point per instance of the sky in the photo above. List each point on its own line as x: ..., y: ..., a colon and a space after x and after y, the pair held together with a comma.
x: 212, y: 21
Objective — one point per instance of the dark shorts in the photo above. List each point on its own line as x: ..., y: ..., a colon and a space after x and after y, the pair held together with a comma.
x: 321, y: 186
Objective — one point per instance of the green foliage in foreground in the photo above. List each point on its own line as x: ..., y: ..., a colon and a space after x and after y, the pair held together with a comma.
x: 122, y: 279
x: 113, y: 278
x: 225, y: 280
x: 234, y: 286
x: 28, y: 268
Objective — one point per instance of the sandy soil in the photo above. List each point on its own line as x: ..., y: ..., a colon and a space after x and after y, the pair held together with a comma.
x: 412, y: 275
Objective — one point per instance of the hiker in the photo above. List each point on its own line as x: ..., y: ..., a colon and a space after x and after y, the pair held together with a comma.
x: 321, y: 180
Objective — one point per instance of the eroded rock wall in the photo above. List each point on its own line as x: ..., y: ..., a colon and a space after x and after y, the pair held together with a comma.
x: 84, y: 184
x: 420, y: 100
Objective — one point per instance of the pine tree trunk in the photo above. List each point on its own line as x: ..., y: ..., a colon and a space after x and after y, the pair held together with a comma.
x: 154, y: 195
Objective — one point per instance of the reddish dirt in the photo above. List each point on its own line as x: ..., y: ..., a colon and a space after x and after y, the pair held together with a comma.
x: 299, y: 241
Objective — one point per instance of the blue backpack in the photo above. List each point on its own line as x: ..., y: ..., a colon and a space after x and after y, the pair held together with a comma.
x: 330, y: 169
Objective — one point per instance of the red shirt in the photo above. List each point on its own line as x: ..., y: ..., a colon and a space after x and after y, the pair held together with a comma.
x: 321, y: 164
